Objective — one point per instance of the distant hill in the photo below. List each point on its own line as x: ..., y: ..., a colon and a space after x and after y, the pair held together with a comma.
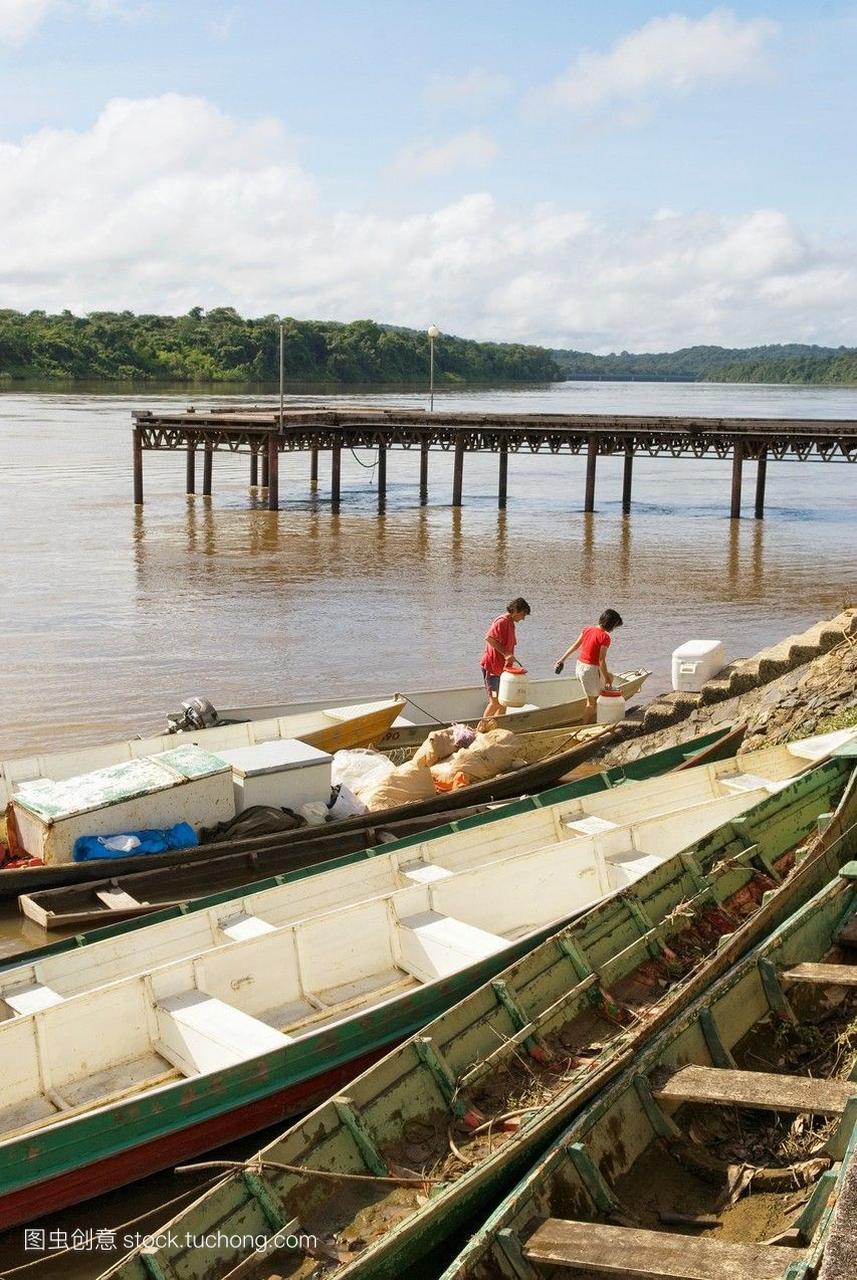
x: 788, y: 362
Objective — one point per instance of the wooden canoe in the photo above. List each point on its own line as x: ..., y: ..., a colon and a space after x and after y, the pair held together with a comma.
x: 523, y: 824
x: 527, y: 780
x: 142, y: 892
x: 116, y: 1081
x: 731, y: 1053
x: 435, y: 1132
x: 554, y: 702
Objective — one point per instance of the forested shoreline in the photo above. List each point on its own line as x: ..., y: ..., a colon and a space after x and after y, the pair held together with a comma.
x: 221, y: 346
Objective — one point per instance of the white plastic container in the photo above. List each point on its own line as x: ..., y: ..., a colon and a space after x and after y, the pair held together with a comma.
x: 285, y: 773
x: 610, y: 708
x: 513, y: 687
x: 696, y: 662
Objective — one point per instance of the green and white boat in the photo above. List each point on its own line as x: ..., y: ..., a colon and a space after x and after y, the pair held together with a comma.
x: 722, y: 1151
x: 435, y: 1132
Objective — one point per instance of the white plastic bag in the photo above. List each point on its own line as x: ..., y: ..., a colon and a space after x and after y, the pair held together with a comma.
x: 358, y: 768
x: 315, y: 813
x: 346, y: 804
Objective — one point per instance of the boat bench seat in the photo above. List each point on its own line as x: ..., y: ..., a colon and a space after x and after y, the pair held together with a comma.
x: 117, y: 899
x: 833, y: 975
x: 241, y: 926
x: 633, y: 1251
x: 628, y: 865
x: 762, y: 1090
x: 198, y: 1033
x: 423, y: 872
x: 433, y: 945
x: 589, y: 825
x: 30, y: 997
x: 744, y: 782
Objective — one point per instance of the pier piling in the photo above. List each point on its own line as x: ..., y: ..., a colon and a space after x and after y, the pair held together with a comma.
x: 504, y: 475
x: 137, y: 453
x: 424, y: 456
x: 207, y: 460
x: 382, y: 476
x: 627, y: 477
x: 273, y: 456
x: 761, y: 477
x: 737, y: 469
x: 458, y: 469
x: 254, y: 467
x: 265, y: 455
x: 190, y: 465
x: 591, y: 460
x: 313, y: 469
x: 335, y: 476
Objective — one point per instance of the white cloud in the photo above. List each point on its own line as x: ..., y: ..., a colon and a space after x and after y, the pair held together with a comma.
x: 20, y: 18
x: 167, y: 203
x: 466, y: 151
x: 476, y: 89
x: 671, y: 55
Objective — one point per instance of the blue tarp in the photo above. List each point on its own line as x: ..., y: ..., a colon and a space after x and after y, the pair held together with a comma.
x: 128, y: 844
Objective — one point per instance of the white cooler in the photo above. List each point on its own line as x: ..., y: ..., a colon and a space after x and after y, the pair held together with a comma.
x: 287, y: 774
x: 183, y: 785
x: 696, y: 662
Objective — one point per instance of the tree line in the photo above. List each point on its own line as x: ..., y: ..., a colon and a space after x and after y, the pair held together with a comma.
x: 221, y: 346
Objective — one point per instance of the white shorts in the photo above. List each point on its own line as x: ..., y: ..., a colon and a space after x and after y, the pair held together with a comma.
x: 590, y: 677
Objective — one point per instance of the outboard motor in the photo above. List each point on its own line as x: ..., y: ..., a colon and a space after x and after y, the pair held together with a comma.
x: 196, y: 713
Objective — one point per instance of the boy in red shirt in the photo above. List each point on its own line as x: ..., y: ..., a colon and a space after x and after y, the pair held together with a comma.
x: 500, y: 650
x: 591, y: 669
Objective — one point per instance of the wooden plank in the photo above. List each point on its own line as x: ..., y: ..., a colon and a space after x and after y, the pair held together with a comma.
x: 763, y: 1090
x: 839, y: 975
x: 627, y: 1251
x: 116, y: 899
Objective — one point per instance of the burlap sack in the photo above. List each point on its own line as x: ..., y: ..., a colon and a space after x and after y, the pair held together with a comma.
x: 410, y: 781
x: 437, y: 746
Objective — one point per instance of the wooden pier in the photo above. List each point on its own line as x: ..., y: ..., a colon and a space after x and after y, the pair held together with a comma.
x: 265, y: 433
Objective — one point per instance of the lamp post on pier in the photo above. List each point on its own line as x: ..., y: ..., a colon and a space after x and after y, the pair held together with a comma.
x: 433, y: 332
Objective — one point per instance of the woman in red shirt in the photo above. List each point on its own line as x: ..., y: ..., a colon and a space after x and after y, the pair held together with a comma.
x: 500, y: 650
x: 591, y: 669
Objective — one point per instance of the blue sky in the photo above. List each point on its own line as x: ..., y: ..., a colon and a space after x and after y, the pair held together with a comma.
x: 630, y: 175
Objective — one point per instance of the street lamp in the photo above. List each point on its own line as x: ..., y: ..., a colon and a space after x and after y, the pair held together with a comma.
x: 433, y: 332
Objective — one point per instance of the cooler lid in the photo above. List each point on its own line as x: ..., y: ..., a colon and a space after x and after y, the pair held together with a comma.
x: 697, y: 648
x: 273, y: 757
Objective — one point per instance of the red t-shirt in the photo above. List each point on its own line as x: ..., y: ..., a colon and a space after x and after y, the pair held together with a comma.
x: 502, y: 630
x: 590, y: 645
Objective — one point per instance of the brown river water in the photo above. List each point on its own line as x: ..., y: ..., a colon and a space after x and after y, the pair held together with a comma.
x: 110, y: 616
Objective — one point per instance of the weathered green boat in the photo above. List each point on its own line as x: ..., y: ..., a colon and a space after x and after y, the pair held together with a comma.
x: 438, y: 1129
x: 722, y: 1151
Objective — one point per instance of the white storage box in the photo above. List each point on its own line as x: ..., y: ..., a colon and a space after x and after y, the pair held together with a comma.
x: 696, y: 662
x: 183, y: 785
x: 287, y: 774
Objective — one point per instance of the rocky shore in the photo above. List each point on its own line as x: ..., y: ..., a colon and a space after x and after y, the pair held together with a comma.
x: 790, y: 690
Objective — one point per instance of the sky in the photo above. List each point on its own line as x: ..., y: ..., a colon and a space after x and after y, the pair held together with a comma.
x: 612, y: 177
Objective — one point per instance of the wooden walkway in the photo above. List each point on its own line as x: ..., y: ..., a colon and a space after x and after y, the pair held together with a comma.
x: 264, y: 434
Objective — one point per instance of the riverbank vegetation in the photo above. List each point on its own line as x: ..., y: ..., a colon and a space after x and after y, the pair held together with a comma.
x: 221, y: 346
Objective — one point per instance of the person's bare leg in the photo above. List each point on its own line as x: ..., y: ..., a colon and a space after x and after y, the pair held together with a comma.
x: 591, y: 711
x: 494, y: 708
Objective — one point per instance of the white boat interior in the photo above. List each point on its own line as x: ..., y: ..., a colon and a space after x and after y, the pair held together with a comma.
x: 267, y: 980
x: 84, y: 760
x: 633, y: 826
